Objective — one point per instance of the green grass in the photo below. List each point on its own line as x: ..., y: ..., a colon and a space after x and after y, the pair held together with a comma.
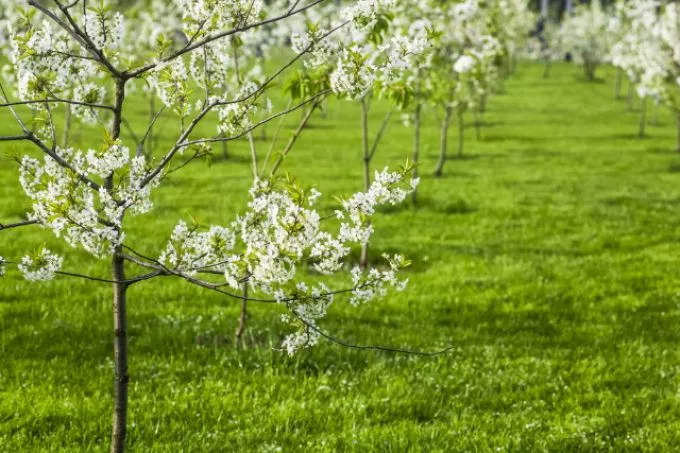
x: 547, y: 258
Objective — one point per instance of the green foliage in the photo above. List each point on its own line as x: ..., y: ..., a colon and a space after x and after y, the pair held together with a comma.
x: 556, y: 284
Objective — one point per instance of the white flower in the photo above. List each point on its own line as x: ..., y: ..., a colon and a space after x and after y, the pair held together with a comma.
x: 41, y: 267
x: 464, y: 64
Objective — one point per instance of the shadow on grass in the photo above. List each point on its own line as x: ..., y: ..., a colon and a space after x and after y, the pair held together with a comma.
x: 454, y: 206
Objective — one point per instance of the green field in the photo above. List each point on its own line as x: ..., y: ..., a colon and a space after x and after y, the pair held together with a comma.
x: 546, y: 258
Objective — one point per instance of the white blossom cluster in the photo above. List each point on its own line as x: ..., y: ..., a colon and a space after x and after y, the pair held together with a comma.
x: 73, y: 210
x: 47, y: 63
x: 585, y: 35
x: 368, y: 55
x: 464, y: 67
x: 648, y: 50
x: 200, y: 58
x: 202, y: 17
x: 281, y: 233
x: 41, y: 267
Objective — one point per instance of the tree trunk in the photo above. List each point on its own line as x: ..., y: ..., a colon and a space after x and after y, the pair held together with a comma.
x: 547, y: 68
x: 363, y: 260
x: 461, y: 133
x: 617, y: 85
x: 443, y: 141
x: 590, y: 70
x: 120, y: 361
x: 416, y: 146
x: 643, y: 117
x: 478, y: 125
x: 225, y: 149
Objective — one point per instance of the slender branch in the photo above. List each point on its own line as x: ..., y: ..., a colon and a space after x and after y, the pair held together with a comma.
x: 379, y: 135
x: 9, y: 226
x: 82, y: 38
x: 347, y: 344
x: 128, y: 282
x: 57, y: 101
x: 131, y: 281
x: 275, y: 138
x: 57, y: 158
x: 30, y: 136
x: 295, y: 136
x: 215, y: 36
x: 13, y: 138
x: 149, y: 129
x: 185, y: 135
x: 258, y: 124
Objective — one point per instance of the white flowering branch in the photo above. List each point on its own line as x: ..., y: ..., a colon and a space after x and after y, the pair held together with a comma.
x: 217, y: 36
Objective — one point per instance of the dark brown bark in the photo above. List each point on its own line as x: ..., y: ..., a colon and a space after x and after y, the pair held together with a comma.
x: 120, y: 361
x: 120, y: 352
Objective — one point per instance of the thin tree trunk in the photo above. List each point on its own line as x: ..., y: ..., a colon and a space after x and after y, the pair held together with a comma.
x: 547, y: 68
x: 461, y: 133
x: 120, y: 360
x: 416, y: 146
x: 478, y: 125
x: 363, y: 261
x: 617, y: 85
x: 225, y: 149
x: 643, y: 117
x: 120, y: 352
x: 443, y: 141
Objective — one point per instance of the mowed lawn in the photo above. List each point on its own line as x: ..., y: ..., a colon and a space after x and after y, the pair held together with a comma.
x: 547, y: 257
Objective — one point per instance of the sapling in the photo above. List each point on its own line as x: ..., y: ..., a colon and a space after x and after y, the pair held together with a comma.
x: 464, y: 69
x: 359, y: 65
x: 648, y: 53
x: 82, y: 55
x: 585, y: 35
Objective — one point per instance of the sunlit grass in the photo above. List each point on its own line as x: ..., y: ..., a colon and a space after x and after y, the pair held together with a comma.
x: 547, y: 258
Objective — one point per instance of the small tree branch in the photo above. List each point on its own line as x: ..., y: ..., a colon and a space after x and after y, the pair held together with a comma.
x: 381, y: 132
x: 260, y: 123
x: 186, y: 133
x: 57, y: 101
x: 9, y: 226
x: 295, y: 136
x: 13, y: 138
x: 215, y: 36
x: 347, y: 344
